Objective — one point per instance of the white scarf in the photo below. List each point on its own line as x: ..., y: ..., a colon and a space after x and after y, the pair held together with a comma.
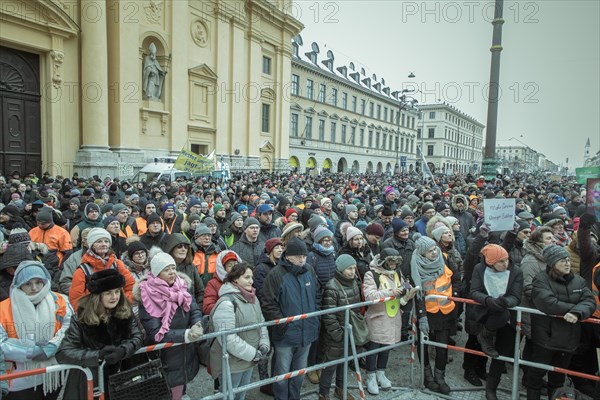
x: 495, y: 282
x: 35, y: 315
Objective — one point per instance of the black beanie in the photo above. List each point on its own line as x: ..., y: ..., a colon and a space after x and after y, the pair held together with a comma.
x: 523, y: 225
x: 136, y: 246
x: 296, y: 247
x: 105, y: 280
x: 387, y: 211
x: 89, y: 207
x: 44, y: 216
x: 154, y: 217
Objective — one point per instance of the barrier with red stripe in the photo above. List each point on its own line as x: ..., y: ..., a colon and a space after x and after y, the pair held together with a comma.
x: 57, y: 368
x: 516, y: 359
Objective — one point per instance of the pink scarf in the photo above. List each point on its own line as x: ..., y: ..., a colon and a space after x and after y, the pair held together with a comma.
x: 161, y: 300
x: 250, y: 297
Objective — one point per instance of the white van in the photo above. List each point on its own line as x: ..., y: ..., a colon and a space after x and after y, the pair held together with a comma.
x: 160, y: 171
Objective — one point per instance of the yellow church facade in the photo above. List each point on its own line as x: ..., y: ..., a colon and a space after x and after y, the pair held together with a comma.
x: 105, y: 86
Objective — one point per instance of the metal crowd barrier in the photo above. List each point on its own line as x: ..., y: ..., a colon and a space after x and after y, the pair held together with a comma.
x: 516, y: 359
x: 227, y: 391
x: 91, y: 392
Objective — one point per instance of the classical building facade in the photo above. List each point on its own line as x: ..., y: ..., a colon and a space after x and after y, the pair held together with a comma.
x: 104, y: 86
x: 451, y: 140
x: 343, y: 120
x: 519, y: 158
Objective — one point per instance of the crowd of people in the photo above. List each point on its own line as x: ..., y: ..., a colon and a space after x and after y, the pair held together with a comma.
x: 93, y: 269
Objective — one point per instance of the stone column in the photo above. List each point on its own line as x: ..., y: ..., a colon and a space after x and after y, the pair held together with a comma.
x: 94, y: 75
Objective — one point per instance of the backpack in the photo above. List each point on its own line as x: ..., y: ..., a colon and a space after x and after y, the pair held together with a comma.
x: 88, y: 271
x: 207, y: 327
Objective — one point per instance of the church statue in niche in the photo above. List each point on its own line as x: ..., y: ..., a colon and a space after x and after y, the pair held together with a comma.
x: 153, y: 76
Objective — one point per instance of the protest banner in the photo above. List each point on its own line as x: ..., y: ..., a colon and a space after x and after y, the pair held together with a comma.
x: 583, y: 174
x: 193, y: 163
x: 499, y: 213
x: 592, y: 198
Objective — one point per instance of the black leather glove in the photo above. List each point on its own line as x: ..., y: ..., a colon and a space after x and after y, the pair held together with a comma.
x: 106, y: 350
x: 502, y: 302
x: 115, y: 356
x: 586, y: 221
x: 493, y: 304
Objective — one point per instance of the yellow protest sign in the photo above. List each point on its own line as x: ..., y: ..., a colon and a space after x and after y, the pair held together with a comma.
x: 194, y: 163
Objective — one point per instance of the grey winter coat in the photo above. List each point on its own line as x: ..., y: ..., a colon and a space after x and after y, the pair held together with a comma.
x: 532, y: 264
x: 241, y: 346
x: 249, y: 252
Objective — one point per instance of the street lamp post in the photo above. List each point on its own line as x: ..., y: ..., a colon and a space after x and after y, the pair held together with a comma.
x: 527, y: 156
x: 404, y: 103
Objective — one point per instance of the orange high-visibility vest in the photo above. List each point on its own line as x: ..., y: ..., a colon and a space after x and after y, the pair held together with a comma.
x: 6, y: 316
x: 441, y: 286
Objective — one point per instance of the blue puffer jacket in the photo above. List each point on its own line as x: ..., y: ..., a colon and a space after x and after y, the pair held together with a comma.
x: 290, y: 290
x: 323, y: 264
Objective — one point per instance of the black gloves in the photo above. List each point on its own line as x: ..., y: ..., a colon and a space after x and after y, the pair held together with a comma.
x: 493, y: 304
x: 586, y: 221
x: 112, y: 354
x: 502, y: 302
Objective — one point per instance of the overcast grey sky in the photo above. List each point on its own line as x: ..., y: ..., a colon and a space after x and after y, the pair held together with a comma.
x: 549, y: 72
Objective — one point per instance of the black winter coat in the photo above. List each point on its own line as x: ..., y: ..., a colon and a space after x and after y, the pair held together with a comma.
x: 338, y: 292
x: 514, y: 290
x: 362, y: 257
x: 180, y: 363
x: 558, y: 297
x: 514, y: 248
x: 263, y: 267
x: 82, y: 344
x: 405, y: 248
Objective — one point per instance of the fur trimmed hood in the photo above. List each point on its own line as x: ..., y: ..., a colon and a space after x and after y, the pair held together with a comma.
x: 435, y: 220
x: 455, y: 198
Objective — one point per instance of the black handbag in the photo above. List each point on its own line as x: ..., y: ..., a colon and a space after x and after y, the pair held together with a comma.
x: 143, y: 382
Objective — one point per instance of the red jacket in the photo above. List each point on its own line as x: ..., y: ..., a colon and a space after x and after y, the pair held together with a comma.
x: 211, y: 294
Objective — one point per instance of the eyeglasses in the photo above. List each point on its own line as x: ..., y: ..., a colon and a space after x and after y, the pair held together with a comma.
x: 181, y: 246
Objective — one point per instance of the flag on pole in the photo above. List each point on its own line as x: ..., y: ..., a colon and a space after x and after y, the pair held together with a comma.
x: 425, y: 169
x: 193, y: 163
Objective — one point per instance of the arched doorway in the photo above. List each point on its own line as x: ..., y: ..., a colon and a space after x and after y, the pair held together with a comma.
x: 388, y: 168
x: 327, y: 165
x: 379, y: 167
x: 342, y: 165
x: 355, y: 167
x: 265, y: 163
x: 294, y: 163
x: 20, y: 128
x: 369, y: 167
x: 311, y: 165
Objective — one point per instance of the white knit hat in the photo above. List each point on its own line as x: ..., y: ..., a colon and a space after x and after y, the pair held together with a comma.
x: 159, y: 262
x: 96, y: 234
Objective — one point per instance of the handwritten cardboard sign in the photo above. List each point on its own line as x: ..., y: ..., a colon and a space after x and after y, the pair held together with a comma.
x: 499, y: 213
